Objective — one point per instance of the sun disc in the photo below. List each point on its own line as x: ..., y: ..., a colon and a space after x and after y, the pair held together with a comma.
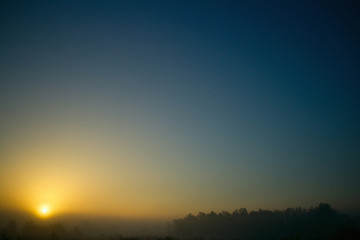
x: 44, y: 210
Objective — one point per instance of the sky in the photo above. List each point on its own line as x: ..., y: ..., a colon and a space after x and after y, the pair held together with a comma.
x: 162, y: 108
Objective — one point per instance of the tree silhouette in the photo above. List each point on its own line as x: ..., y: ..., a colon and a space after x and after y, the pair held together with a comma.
x: 322, y: 222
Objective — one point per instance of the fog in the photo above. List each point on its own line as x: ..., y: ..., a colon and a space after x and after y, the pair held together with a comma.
x: 90, y: 225
x: 320, y: 222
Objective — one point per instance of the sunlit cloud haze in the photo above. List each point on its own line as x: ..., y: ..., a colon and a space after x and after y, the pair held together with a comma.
x: 154, y: 109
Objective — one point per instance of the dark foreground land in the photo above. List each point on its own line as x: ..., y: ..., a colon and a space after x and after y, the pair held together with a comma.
x: 322, y: 222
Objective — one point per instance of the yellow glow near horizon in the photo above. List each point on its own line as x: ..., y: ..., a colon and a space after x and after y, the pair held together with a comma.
x: 76, y: 172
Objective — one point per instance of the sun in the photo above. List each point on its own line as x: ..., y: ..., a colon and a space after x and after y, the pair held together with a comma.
x: 44, y: 210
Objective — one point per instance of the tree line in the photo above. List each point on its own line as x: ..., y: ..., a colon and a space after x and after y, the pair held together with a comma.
x: 321, y: 222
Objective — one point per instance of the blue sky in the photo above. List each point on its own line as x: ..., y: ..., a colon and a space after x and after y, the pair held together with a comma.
x: 236, y: 104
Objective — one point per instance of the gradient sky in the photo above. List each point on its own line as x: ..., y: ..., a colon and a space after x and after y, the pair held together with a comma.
x: 161, y: 108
